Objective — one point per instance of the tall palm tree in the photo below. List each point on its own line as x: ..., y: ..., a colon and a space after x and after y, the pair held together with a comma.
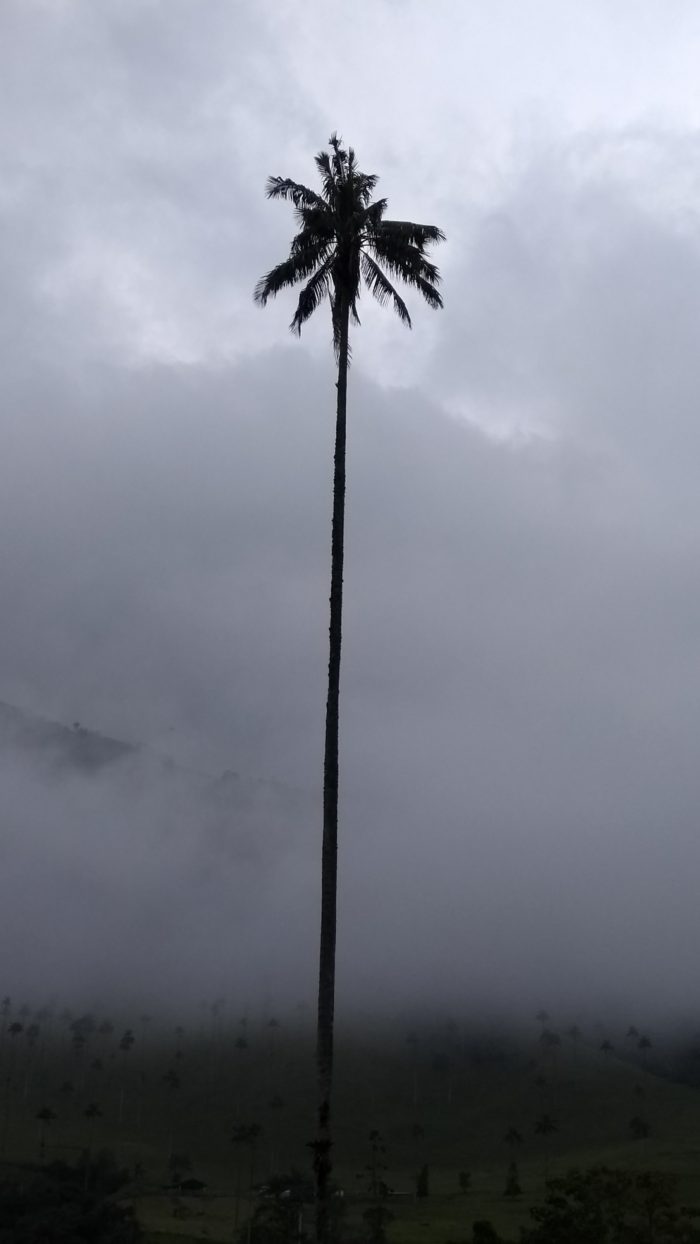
x: 45, y: 1116
x: 343, y: 241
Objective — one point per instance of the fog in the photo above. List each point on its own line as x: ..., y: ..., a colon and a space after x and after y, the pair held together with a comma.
x: 518, y: 713
x: 520, y: 690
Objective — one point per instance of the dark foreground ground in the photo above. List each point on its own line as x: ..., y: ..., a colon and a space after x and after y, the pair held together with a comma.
x: 439, y: 1126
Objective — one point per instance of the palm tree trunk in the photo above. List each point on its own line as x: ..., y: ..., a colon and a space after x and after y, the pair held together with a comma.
x: 329, y: 858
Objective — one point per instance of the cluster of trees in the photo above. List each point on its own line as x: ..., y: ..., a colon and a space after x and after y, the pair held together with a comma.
x: 53, y: 1062
x: 62, y: 1204
x: 633, y: 1042
x: 599, y: 1205
x: 604, y: 1206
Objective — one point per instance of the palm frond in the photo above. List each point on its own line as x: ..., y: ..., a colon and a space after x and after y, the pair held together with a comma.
x: 416, y: 235
x: 312, y: 295
x: 342, y: 162
x: 373, y: 214
x: 365, y: 184
x: 412, y: 275
x: 293, y: 191
x: 325, y: 168
x: 427, y: 289
x: 292, y: 270
x: 381, y: 288
x: 400, y: 257
x: 316, y: 224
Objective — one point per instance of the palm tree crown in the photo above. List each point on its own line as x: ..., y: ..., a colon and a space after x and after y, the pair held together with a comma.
x: 342, y: 240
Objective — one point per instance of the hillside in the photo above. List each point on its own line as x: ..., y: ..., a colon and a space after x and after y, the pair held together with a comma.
x: 448, y: 1098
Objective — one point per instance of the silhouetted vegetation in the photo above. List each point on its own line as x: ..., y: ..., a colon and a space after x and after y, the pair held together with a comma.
x: 603, y: 1206
x: 457, y: 1125
x: 57, y: 1204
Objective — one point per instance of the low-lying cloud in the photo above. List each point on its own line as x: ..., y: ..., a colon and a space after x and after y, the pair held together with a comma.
x: 519, y: 698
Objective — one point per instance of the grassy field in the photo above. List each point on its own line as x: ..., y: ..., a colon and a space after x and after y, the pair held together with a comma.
x: 170, y: 1102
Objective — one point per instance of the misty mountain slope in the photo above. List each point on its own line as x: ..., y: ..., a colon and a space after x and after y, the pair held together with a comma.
x: 127, y: 875
x: 51, y: 742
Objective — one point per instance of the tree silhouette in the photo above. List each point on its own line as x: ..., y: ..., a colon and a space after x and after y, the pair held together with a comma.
x: 125, y: 1044
x: 15, y: 1030
x: 45, y: 1116
x: 550, y: 1042
x: 278, y: 1217
x: 639, y: 1128
x: 245, y: 1134
x: 512, y: 1188
x: 574, y: 1034
x: 513, y: 1140
x: 644, y: 1045
x: 377, y: 1216
x: 172, y: 1079
x: 126, y: 1041
x: 604, y: 1206
x: 178, y: 1166
x: 32, y: 1034
x: 412, y: 1040
x: 91, y: 1112
x: 545, y: 1127
x: 342, y: 240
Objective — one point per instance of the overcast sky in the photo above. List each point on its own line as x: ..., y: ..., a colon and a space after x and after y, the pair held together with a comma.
x: 521, y: 671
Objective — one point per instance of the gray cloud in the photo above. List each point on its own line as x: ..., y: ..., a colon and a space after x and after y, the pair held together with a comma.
x: 520, y: 683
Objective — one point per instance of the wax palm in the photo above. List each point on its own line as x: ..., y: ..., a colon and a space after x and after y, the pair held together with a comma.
x: 343, y: 242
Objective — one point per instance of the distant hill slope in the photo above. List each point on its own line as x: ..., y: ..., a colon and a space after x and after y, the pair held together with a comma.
x: 55, y: 745
x: 53, y: 741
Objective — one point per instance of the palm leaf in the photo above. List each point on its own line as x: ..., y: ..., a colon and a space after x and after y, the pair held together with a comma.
x: 316, y: 229
x: 417, y: 235
x: 381, y: 288
x: 312, y: 295
x: 294, y: 191
x: 292, y: 270
x: 405, y: 261
x: 325, y: 168
x: 373, y: 214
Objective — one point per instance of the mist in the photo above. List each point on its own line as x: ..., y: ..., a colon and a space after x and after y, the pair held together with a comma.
x: 520, y: 687
x: 517, y: 776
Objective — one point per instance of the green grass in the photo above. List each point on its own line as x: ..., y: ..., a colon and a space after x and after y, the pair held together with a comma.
x: 447, y: 1100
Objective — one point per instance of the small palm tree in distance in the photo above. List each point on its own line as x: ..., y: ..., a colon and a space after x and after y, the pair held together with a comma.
x: 45, y: 1116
